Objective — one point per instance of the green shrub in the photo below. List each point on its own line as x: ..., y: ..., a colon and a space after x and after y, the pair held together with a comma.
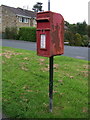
x: 78, y: 39
x: 89, y: 31
x: 11, y: 33
x: 69, y: 37
x: 27, y: 34
x: 85, y: 40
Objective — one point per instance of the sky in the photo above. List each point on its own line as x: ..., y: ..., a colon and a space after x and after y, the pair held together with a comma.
x: 73, y: 11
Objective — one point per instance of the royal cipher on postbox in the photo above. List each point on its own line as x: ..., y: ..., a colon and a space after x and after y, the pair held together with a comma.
x: 50, y: 34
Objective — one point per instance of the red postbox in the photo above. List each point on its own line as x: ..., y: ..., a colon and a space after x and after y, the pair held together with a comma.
x: 50, y: 34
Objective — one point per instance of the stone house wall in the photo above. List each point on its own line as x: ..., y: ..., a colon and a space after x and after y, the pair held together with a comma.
x: 9, y: 19
x: 22, y: 24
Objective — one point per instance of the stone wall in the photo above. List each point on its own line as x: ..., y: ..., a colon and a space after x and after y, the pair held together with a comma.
x: 9, y: 19
x: 21, y: 24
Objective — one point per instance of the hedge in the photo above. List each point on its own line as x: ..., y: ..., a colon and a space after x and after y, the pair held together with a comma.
x: 27, y: 34
x: 10, y: 33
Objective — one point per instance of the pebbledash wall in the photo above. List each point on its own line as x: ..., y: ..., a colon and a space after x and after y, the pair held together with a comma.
x: 15, y: 17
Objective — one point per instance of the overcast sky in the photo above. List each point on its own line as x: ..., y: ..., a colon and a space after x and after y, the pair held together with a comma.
x: 73, y: 11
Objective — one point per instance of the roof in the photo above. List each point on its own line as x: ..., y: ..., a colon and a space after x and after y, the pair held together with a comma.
x: 22, y: 12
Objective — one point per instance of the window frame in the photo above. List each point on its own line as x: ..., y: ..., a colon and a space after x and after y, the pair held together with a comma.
x: 26, y: 20
x: 23, y: 20
x: 20, y: 19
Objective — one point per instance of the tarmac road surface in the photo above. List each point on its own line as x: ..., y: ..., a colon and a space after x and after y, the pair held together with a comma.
x: 71, y: 51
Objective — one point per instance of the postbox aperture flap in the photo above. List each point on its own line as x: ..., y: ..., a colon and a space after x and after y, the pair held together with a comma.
x: 43, y: 19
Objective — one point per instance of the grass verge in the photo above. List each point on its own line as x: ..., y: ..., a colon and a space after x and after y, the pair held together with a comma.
x: 25, y: 85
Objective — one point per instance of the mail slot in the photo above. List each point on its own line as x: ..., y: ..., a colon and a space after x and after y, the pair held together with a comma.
x: 50, y: 34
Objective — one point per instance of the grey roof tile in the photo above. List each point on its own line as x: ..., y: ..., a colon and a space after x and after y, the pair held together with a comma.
x: 21, y: 11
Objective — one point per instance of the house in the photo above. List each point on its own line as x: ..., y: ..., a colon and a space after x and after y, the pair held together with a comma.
x: 16, y: 17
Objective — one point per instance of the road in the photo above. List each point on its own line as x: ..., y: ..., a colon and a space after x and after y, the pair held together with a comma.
x: 75, y: 52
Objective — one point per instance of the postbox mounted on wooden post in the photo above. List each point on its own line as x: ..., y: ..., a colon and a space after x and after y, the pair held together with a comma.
x: 50, y: 34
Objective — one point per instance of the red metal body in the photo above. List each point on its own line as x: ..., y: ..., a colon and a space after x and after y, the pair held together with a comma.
x: 50, y: 34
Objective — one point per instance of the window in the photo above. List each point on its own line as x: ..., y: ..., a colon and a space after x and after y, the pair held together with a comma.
x: 23, y: 19
x: 20, y: 19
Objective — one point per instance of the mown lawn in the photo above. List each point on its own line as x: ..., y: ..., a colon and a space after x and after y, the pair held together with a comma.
x: 25, y: 84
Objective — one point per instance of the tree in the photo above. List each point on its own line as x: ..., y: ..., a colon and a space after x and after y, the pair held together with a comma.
x: 82, y: 28
x: 85, y: 40
x: 37, y: 7
x: 69, y: 36
x: 89, y: 31
x: 78, y: 39
x: 73, y: 28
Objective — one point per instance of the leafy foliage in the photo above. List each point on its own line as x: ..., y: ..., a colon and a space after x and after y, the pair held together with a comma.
x: 73, y: 28
x: 78, y: 39
x: 85, y: 40
x: 76, y: 34
x: 82, y: 28
x: 89, y: 31
x: 69, y: 37
x: 27, y: 34
x: 11, y: 33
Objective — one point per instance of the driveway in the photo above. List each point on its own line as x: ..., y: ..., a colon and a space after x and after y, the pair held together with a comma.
x: 75, y: 52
